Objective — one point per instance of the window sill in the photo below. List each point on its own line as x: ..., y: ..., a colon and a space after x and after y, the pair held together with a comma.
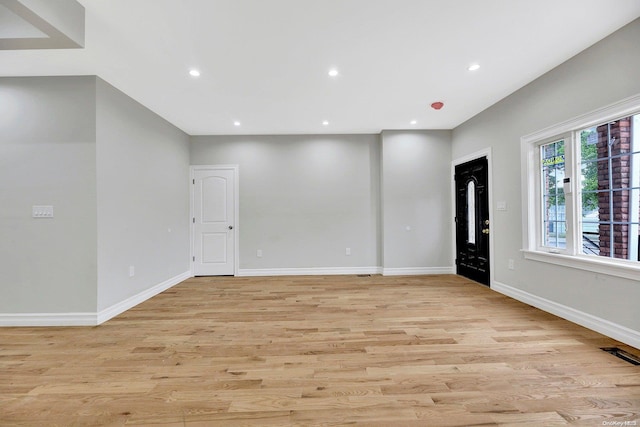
x: 622, y: 269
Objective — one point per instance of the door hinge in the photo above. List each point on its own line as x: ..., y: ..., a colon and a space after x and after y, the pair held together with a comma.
x: 194, y: 259
x: 194, y: 182
x: 194, y: 220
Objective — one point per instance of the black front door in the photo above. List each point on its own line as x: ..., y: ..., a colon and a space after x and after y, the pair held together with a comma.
x: 472, y: 220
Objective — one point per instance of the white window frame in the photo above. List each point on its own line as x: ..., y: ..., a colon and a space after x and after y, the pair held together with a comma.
x: 570, y: 240
x: 531, y: 190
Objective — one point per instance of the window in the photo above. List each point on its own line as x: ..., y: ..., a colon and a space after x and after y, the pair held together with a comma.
x: 552, y: 161
x: 610, y: 172
x: 582, y: 182
x: 471, y: 212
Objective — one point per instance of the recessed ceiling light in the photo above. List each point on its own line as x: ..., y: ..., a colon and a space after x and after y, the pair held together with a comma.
x: 473, y: 67
x: 236, y: 123
x: 413, y: 122
x: 333, y: 72
x: 194, y: 73
x: 325, y: 123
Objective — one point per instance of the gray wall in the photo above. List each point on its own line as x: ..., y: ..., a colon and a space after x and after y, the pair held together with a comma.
x: 605, y: 73
x: 143, y: 197
x: 303, y: 199
x: 117, y: 177
x: 416, y: 205
x: 47, y: 157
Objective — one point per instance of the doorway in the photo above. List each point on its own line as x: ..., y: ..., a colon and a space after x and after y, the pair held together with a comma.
x: 472, y: 222
x: 214, y: 222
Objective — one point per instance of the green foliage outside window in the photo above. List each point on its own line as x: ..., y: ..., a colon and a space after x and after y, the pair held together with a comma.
x: 589, y: 152
x: 553, y: 158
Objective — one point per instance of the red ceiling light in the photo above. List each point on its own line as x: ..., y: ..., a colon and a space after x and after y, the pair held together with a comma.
x: 437, y: 105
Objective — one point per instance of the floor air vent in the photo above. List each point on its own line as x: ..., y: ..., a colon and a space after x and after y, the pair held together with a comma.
x: 634, y: 360
x: 363, y: 275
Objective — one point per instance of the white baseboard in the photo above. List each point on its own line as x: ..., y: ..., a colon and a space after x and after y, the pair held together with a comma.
x: 122, y: 306
x: 416, y: 271
x: 316, y: 271
x: 321, y: 271
x: 603, y: 326
x: 88, y: 319
x: 47, y: 319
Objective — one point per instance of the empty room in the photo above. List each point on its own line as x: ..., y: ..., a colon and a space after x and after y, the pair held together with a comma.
x: 337, y: 212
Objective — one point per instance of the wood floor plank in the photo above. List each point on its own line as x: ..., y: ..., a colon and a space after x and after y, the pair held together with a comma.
x: 318, y: 350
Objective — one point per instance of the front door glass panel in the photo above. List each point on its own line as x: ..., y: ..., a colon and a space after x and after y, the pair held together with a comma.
x: 471, y: 212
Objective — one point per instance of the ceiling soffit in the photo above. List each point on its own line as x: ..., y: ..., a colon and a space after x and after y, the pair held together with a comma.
x: 41, y: 24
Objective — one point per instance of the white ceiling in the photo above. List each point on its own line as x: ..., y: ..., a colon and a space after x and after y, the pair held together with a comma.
x: 265, y: 62
x: 14, y: 26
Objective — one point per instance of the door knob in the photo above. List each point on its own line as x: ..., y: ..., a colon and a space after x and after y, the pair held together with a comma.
x: 485, y: 231
x: 231, y: 227
x: 486, y: 222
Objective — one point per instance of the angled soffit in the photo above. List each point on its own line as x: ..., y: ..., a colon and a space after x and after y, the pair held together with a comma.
x: 41, y: 24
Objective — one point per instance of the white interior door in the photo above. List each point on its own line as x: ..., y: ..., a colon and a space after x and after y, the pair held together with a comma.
x: 214, y: 204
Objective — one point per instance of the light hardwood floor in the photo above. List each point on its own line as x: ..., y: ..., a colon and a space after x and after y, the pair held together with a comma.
x: 328, y: 350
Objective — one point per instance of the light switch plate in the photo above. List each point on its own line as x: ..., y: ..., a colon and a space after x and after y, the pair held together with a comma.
x: 42, y: 211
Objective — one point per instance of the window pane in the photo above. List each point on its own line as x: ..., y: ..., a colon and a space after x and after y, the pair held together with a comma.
x: 553, y: 200
x: 602, y: 174
x: 589, y: 141
x: 471, y: 212
x: 610, y: 168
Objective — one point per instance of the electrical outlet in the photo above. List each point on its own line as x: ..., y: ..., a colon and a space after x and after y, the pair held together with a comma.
x: 511, y: 265
x: 347, y: 251
x: 259, y: 253
x: 132, y: 271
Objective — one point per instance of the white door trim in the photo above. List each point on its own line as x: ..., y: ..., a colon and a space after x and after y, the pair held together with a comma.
x: 235, y: 169
x: 464, y: 159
